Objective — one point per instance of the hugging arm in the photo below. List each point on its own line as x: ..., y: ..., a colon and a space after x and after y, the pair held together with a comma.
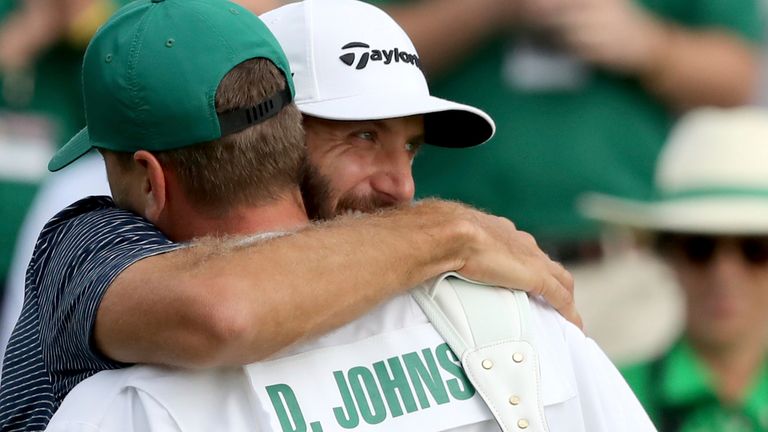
x: 221, y: 302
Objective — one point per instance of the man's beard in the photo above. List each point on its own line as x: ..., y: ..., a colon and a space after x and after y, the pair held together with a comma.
x: 317, y: 194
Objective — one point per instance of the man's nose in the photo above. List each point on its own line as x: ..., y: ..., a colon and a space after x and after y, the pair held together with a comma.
x: 394, y: 178
x: 728, y: 264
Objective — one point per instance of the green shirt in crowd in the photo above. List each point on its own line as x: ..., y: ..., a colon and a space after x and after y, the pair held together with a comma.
x: 679, y: 395
x: 602, y: 133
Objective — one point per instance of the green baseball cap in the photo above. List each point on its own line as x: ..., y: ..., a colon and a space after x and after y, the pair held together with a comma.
x: 150, y: 76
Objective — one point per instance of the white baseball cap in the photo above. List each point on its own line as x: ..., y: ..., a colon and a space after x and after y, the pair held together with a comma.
x: 711, y: 178
x: 352, y: 61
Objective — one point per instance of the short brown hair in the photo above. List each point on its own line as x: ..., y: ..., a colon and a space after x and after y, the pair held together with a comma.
x: 254, y: 166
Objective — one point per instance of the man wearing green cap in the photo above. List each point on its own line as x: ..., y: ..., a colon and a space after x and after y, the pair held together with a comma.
x: 151, y: 85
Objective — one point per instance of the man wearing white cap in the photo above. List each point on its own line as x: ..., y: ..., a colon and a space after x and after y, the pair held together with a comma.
x: 392, y: 368
x: 710, y: 218
x: 360, y: 88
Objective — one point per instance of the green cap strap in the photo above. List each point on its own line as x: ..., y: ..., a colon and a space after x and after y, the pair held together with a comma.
x: 239, y: 119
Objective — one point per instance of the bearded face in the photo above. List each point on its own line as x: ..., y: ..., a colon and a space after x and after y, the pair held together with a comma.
x: 359, y: 166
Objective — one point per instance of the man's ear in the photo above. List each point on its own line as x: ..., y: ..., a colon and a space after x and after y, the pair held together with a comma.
x: 153, y: 186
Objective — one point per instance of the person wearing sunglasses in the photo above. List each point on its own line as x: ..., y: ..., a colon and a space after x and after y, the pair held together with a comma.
x: 709, y: 219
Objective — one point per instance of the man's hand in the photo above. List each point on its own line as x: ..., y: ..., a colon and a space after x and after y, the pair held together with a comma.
x: 496, y: 252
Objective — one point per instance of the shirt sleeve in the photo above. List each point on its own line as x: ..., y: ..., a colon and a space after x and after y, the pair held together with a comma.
x: 146, y: 398
x: 131, y: 410
x: 607, y: 402
x: 76, y: 260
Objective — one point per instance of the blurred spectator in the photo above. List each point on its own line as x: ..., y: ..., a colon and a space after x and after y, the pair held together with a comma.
x: 710, y: 224
x: 763, y: 96
x: 39, y: 106
x: 41, y: 46
x: 584, y: 92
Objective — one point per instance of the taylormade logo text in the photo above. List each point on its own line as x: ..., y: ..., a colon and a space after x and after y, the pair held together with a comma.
x: 388, y: 56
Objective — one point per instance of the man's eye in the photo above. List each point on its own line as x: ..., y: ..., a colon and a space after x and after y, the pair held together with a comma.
x: 412, y: 147
x: 366, y: 135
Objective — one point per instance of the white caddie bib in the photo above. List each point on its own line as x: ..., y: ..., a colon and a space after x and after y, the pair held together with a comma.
x: 489, y: 328
x: 406, y: 379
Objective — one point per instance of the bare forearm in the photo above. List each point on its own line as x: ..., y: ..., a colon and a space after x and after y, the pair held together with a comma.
x: 699, y: 68
x: 443, y: 31
x: 347, y: 267
x: 684, y: 67
x: 221, y: 304
x: 29, y: 30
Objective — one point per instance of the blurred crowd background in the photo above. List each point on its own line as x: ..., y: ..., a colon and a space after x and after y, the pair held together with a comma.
x: 585, y: 94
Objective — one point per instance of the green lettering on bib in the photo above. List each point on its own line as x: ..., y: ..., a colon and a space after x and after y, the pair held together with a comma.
x: 393, y: 384
x: 460, y: 387
x: 351, y: 419
x: 374, y: 412
x: 287, y: 408
x: 428, y: 375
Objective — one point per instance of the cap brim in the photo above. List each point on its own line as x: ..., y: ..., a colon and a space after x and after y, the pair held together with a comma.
x: 79, y: 145
x: 735, y: 215
x: 446, y: 123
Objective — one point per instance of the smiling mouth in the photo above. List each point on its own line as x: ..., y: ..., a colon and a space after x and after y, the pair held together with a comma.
x: 358, y: 205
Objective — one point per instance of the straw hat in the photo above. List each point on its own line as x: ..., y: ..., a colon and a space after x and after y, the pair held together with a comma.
x: 711, y: 178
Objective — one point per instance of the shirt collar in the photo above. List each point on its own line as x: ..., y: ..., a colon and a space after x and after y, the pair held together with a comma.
x: 686, y: 380
x: 757, y: 402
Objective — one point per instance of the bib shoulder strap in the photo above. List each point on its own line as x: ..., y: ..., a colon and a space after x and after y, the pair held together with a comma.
x: 488, y: 328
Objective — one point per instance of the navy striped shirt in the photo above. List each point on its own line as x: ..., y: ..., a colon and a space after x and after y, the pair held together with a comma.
x: 77, y: 256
